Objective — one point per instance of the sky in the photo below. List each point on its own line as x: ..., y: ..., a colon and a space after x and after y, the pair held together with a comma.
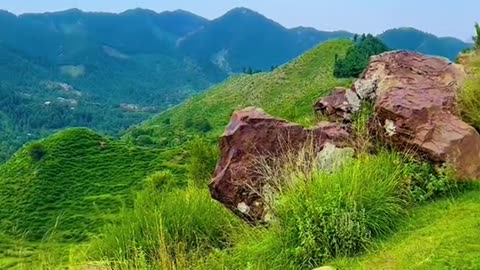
x: 440, y: 17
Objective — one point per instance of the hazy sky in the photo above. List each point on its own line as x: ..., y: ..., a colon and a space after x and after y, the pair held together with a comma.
x: 440, y: 17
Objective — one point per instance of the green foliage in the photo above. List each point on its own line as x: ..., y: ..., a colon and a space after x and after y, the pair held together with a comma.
x: 424, y: 182
x: 161, y: 181
x: 37, y: 151
x: 165, y: 231
x: 469, y: 96
x: 287, y: 92
x: 144, y: 140
x: 358, y: 56
x: 332, y: 215
x: 198, y: 124
x: 82, y: 181
x: 203, y: 158
x: 476, y: 38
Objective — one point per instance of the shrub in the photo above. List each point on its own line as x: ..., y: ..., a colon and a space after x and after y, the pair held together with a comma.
x: 202, y: 162
x: 339, y: 214
x: 144, y: 140
x: 319, y: 216
x: 469, y: 96
x: 424, y: 182
x: 198, y: 124
x: 37, y: 151
x: 167, y: 231
x: 161, y: 181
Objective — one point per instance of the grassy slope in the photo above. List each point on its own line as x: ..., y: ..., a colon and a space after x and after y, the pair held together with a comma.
x: 288, y: 92
x: 78, y: 172
x: 442, y: 235
x: 82, y: 179
x: 78, y: 183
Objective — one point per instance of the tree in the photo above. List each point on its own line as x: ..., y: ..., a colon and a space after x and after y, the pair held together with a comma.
x: 476, y: 38
x: 358, y: 56
x: 37, y: 151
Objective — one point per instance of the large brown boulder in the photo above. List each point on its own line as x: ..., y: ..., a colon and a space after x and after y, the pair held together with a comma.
x: 416, y: 109
x: 339, y: 106
x: 251, y: 135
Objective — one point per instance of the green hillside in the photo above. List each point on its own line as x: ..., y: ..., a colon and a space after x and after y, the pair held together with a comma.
x: 67, y: 184
x: 288, y: 92
x: 82, y: 176
x: 77, y: 199
x: 415, y: 40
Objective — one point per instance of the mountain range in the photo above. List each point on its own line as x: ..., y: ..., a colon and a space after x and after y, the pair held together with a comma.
x: 108, y: 71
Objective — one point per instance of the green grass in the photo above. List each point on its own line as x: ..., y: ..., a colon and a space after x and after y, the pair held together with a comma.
x: 317, y: 217
x: 81, y: 180
x: 469, y: 97
x: 321, y: 216
x: 77, y: 185
x: 165, y: 231
x: 84, y: 179
x: 441, y: 235
x: 289, y: 92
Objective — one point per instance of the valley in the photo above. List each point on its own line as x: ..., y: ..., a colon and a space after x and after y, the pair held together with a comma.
x: 145, y: 140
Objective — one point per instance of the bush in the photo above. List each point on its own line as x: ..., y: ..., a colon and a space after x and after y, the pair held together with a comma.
x: 37, y: 151
x: 144, y: 140
x: 166, y: 231
x: 161, y: 181
x: 425, y: 183
x: 202, y: 162
x: 198, y: 124
x: 469, y: 96
x: 319, y: 216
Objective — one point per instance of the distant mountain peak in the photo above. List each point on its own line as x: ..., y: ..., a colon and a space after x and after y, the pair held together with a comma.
x: 181, y: 11
x: 243, y: 11
x: 67, y: 11
x: 6, y: 12
x: 140, y: 11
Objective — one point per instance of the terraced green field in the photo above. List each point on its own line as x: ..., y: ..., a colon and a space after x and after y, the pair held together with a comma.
x: 81, y: 180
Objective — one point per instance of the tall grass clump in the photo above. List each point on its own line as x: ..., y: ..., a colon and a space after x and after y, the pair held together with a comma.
x: 202, y: 162
x: 469, y: 96
x: 165, y: 231
x: 321, y: 215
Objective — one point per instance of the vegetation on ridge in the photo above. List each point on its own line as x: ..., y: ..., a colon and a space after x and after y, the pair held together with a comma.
x: 358, y: 56
x: 287, y: 92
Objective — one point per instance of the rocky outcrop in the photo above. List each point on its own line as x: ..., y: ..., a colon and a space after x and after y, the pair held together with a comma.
x: 252, y: 134
x: 416, y: 109
x: 339, y: 106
